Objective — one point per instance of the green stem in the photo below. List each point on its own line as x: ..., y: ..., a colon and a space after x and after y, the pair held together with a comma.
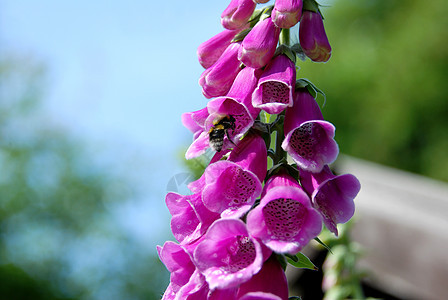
x: 357, y: 290
x: 278, y: 128
x: 284, y: 37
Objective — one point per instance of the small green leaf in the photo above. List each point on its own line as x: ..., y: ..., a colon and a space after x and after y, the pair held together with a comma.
x: 255, y: 17
x: 266, y: 12
x: 300, y: 260
x: 285, y: 50
x: 311, y: 5
x: 323, y: 244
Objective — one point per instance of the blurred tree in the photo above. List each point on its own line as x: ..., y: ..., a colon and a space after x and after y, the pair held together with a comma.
x: 385, y: 82
x: 58, y: 238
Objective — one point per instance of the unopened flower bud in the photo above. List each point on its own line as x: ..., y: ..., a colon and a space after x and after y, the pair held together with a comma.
x: 287, y: 13
x: 237, y: 14
x: 210, y: 50
x: 258, y: 47
x: 217, y: 80
x: 313, y: 38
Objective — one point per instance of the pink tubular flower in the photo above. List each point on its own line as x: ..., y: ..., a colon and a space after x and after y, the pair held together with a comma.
x: 190, y: 218
x: 179, y: 264
x: 251, y: 153
x: 269, y: 283
x: 237, y: 104
x: 232, y: 187
x: 284, y: 220
x: 228, y: 256
x: 210, y: 50
x: 309, y: 139
x: 313, y: 38
x: 275, y: 86
x: 237, y: 14
x: 258, y: 47
x: 217, y: 80
x: 186, y: 282
x: 332, y: 195
x: 287, y: 13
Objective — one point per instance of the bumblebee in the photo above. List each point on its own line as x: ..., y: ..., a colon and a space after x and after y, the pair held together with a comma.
x: 219, y: 129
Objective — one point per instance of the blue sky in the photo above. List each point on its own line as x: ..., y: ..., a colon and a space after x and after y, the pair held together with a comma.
x: 114, y: 66
x: 120, y: 73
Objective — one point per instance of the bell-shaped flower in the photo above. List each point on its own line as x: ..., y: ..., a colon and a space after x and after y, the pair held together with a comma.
x: 237, y: 14
x: 190, y: 218
x: 269, y: 283
x: 287, y: 13
x: 312, y: 37
x: 211, y: 50
x: 227, y: 256
x: 332, y: 195
x: 217, y: 80
x: 232, y: 186
x: 251, y: 153
x: 308, y: 138
x: 276, y: 85
x: 284, y: 220
x: 236, y: 104
x: 178, y: 262
x: 186, y: 282
x: 258, y: 47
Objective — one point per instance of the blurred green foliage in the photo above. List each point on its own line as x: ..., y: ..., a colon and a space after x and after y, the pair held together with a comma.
x: 59, y: 237
x: 385, y: 82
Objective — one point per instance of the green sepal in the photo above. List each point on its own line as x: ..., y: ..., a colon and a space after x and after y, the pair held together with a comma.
x: 255, y: 17
x: 266, y: 12
x: 241, y: 35
x: 292, y: 170
x: 311, y: 88
x: 301, y: 261
x: 276, y: 168
x: 323, y: 244
x: 260, y: 127
x: 285, y: 50
x: 298, y: 51
x: 294, y: 298
x: 312, y: 5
